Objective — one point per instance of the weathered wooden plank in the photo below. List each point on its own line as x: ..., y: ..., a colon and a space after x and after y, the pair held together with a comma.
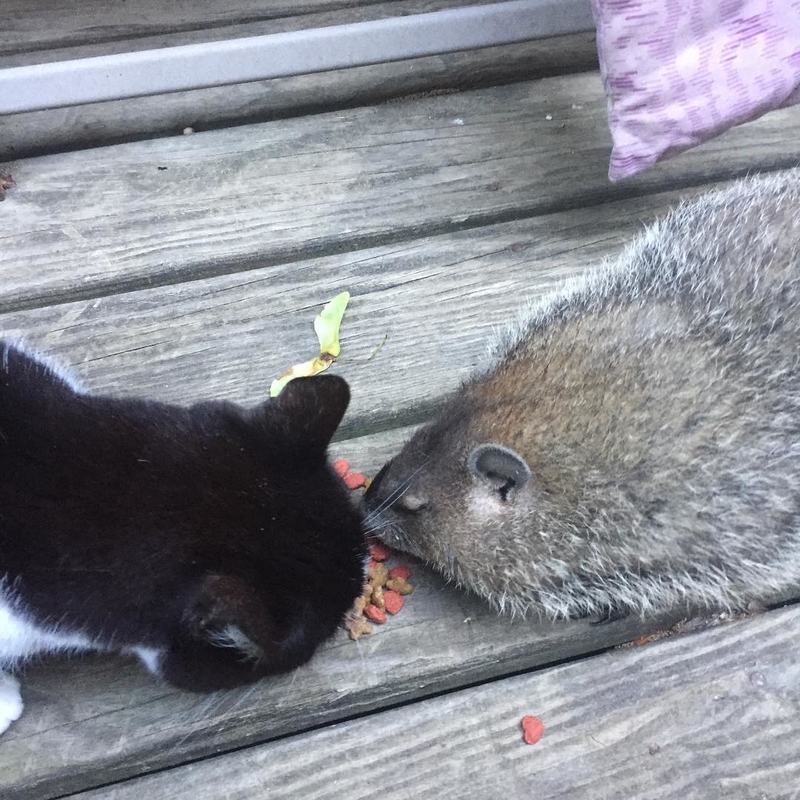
x: 94, y: 720
x: 87, y: 223
x: 369, y: 453
x: 40, y: 25
x: 713, y: 714
x: 44, y: 132
x: 434, y: 301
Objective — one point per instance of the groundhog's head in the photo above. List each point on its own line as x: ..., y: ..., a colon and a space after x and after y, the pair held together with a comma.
x: 457, y: 496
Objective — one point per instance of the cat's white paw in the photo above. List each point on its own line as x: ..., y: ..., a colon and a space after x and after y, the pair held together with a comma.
x: 10, y: 700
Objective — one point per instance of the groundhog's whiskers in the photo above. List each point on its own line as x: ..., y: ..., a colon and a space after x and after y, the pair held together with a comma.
x: 394, y: 496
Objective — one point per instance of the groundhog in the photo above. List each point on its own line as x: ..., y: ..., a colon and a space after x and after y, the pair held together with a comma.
x: 634, y: 443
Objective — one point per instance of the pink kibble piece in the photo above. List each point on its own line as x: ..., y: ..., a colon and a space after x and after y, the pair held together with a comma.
x: 401, y: 572
x: 354, y: 480
x: 379, y: 551
x: 532, y: 729
x: 373, y: 613
x: 340, y: 467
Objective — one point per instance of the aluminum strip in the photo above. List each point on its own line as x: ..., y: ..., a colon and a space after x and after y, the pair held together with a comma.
x: 220, y: 63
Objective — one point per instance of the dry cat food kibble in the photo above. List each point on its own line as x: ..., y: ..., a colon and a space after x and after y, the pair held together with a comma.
x: 354, y: 480
x: 392, y: 602
x: 340, y: 467
x: 532, y: 729
x: 380, y: 552
x: 403, y: 573
x: 399, y: 585
x: 374, y: 614
x: 385, y: 588
x: 377, y: 573
x: 382, y: 594
x: 6, y: 182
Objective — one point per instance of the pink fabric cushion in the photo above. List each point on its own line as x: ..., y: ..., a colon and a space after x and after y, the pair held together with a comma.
x: 678, y: 72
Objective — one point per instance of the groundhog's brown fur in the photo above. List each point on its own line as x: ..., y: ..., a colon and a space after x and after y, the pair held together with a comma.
x: 636, y: 442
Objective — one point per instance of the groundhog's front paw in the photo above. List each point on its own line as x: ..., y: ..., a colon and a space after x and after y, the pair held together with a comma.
x: 10, y: 700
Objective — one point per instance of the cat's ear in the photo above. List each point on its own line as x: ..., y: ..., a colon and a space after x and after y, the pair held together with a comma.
x: 229, y: 636
x: 312, y: 408
x: 227, y: 612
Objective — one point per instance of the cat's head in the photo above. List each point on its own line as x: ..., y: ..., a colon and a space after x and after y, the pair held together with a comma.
x: 279, y: 543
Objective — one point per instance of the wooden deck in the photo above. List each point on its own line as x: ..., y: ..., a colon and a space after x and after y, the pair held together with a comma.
x: 440, y: 193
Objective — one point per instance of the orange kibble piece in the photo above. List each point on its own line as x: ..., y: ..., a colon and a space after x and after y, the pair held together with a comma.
x: 379, y: 551
x: 378, y: 599
x: 404, y: 573
x: 532, y: 729
x: 359, y: 605
x: 392, y: 601
x: 340, y: 467
x: 400, y: 586
x: 374, y: 614
x: 353, y: 480
x: 377, y: 574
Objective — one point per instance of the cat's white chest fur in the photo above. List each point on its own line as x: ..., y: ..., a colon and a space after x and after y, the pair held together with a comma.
x: 10, y: 700
x: 19, y: 639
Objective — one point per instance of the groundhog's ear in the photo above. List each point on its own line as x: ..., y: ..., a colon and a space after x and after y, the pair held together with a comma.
x: 499, y: 467
x: 312, y: 409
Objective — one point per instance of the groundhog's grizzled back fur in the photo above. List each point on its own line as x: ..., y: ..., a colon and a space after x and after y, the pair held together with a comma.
x: 635, y: 443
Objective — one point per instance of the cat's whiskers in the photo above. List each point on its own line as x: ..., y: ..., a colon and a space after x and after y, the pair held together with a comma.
x: 248, y: 692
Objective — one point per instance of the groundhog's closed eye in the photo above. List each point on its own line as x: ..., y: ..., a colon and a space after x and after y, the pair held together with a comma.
x: 635, y: 442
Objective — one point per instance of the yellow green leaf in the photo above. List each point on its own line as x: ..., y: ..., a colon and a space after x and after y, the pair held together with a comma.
x: 326, y: 326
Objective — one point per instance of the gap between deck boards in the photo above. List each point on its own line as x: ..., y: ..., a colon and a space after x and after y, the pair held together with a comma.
x: 373, y: 712
x: 702, y: 624
x: 39, y: 133
x: 417, y: 323
x: 221, y: 267
x: 706, y: 715
x: 91, y: 223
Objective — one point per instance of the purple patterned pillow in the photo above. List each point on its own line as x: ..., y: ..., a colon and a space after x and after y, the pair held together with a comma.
x: 678, y: 72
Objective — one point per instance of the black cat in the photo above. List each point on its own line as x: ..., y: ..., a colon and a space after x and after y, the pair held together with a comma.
x: 214, y: 542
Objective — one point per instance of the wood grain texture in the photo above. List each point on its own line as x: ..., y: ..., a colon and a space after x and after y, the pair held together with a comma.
x: 89, y: 223
x: 56, y: 130
x: 707, y: 715
x: 38, y: 25
x: 94, y: 720
x: 431, y: 303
